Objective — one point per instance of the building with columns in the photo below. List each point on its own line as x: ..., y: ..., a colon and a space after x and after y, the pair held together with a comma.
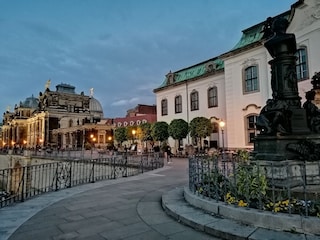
x: 33, y: 122
x: 65, y: 119
x: 234, y: 86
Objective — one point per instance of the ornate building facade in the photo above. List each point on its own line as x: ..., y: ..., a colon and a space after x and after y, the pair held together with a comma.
x: 34, y: 122
x: 235, y: 85
x: 66, y: 120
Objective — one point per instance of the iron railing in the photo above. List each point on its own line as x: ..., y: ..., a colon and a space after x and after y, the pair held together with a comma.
x: 291, y: 187
x: 23, y: 182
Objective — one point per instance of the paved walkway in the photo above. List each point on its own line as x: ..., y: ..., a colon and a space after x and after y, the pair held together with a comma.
x: 128, y: 208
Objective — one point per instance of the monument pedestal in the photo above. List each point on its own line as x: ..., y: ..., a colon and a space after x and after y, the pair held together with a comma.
x: 283, y: 167
x: 275, y: 148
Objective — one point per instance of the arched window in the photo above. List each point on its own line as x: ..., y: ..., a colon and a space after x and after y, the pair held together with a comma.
x: 164, y: 107
x: 178, y: 104
x: 194, y: 100
x: 301, y: 64
x: 251, y: 128
x: 251, y: 83
x: 212, y: 97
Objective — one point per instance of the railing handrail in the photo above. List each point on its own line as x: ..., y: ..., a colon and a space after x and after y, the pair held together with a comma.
x: 25, y: 181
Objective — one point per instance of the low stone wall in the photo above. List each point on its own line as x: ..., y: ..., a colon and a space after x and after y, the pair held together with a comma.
x: 254, y: 217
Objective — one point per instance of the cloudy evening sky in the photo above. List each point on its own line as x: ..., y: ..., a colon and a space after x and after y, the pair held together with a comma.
x: 122, y: 48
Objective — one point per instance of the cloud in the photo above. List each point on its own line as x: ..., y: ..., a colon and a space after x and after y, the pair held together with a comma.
x: 124, y: 102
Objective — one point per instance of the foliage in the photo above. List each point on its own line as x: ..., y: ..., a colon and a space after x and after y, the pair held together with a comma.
x: 87, y: 146
x: 200, y: 127
x: 159, y: 131
x: 178, y: 129
x: 120, y: 134
x: 129, y: 133
x: 248, y: 187
x: 295, y: 206
x: 243, y: 155
x: 144, y: 132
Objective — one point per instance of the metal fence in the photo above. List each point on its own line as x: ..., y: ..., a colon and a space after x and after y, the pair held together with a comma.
x: 291, y: 187
x: 24, y: 182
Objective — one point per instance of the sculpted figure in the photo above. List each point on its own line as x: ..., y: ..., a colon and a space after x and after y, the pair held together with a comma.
x: 313, y: 112
x: 273, y: 118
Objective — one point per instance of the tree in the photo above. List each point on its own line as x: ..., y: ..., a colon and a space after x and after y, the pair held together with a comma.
x: 159, y: 131
x: 200, y: 127
x: 144, y: 132
x: 120, y: 135
x: 178, y: 129
x: 131, y: 132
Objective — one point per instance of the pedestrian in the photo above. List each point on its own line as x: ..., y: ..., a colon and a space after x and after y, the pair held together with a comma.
x: 168, y: 151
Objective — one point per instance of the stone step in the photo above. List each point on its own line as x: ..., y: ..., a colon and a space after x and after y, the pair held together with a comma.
x: 175, y: 205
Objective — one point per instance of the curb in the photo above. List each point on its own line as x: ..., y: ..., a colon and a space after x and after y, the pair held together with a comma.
x: 176, y: 206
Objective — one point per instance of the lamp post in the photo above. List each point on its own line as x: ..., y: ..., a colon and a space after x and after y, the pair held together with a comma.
x: 93, y: 140
x: 133, y: 135
x: 221, y: 125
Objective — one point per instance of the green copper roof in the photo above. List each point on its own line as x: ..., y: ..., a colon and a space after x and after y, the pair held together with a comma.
x: 250, y: 36
x: 193, y: 72
x: 255, y: 33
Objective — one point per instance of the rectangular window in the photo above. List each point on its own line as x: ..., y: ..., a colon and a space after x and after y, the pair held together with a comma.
x: 194, y: 97
x: 178, y: 104
x: 212, y: 97
x: 101, y: 137
x: 251, y: 128
x: 251, y: 79
x: 301, y: 67
x: 164, y: 107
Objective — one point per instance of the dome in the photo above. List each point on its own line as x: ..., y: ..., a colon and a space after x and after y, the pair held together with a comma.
x: 30, y: 102
x: 95, y: 106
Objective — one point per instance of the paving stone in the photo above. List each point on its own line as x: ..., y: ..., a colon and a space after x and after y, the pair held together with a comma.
x: 227, y: 229
x: 265, y: 234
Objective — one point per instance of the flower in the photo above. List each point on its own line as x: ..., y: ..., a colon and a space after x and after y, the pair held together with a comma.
x: 242, y: 203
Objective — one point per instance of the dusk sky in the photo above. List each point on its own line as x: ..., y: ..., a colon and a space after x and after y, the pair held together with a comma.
x: 122, y: 48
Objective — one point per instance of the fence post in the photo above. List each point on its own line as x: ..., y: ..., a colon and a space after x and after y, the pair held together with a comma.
x: 56, y: 177
x: 305, y: 186
x: 92, y: 170
x: 22, y: 185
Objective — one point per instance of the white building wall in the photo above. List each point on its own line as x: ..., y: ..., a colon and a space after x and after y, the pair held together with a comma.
x: 306, y: 27
x: 234, y: 106
x: 239, y: 104
x: 185, y: 89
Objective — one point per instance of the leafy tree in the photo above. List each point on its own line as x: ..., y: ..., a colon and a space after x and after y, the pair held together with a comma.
x: 129, y: 132
x: 159, y: 131
x: 120, y: 134
x: 144, y: 133
x: 178, y: 129
x: 200, y: 127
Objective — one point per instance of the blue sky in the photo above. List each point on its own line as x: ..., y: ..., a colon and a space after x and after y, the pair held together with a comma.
x: 122, y: 48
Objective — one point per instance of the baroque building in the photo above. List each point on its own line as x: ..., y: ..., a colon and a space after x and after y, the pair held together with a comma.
x: 34, y: 122
x: 234, y: 86
x: 64, y: 119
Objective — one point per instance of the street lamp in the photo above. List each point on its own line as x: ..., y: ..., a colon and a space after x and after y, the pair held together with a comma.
x: 221, y: 125
x: 133, y: 135
x: 93, y: 140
